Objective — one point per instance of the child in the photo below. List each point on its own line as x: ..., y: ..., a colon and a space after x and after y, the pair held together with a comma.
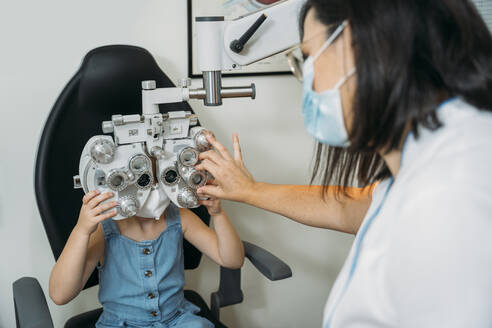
x: 141, y: 271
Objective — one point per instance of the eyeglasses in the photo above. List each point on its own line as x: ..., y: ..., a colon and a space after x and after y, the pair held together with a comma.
x: 295, y: 58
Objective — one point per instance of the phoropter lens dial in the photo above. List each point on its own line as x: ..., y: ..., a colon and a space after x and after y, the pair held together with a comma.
x: 193, y: 177
x: 144, y: 182
x: 117, y: 180
x: 140, y: 163
x: 188, y: 156
x: 170, y: 176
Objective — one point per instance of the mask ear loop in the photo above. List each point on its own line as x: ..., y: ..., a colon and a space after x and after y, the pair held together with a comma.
x: 345, y: 78
x: 330, y: 40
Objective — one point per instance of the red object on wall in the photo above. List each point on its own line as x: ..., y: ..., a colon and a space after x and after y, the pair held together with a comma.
x: 267, y: 2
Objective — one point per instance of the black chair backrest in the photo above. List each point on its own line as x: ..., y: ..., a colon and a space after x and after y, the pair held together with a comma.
x: 107, y: 83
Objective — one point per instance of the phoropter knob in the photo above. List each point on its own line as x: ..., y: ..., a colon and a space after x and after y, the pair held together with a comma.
x: 187, y: 198
x: 128, y: 206
x: 102, y: 151
x: 184, y: 83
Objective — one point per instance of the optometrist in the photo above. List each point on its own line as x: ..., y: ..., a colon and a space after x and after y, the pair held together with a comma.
x: 399, y: 96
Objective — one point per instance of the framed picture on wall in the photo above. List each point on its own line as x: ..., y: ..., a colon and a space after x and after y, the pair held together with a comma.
x: 231, y: 9
x: 485, y: 8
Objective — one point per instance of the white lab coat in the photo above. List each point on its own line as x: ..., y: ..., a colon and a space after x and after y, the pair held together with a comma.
x: 426, y: 258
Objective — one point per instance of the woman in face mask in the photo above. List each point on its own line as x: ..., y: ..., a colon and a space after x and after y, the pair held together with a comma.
x: 399, y: 96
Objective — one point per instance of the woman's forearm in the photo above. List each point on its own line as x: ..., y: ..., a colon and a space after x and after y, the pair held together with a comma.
x: 230, y: 247
x: 303, y: 204
x: 306, y: 205
x: 66, y: 278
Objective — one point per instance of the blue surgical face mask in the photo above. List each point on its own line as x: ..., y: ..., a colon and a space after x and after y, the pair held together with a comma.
x: 322, y: 112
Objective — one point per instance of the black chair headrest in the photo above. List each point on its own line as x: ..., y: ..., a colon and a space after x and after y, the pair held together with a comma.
x: 107, y: 83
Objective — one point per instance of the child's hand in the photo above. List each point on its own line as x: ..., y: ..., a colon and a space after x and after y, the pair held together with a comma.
x: 91, y: 211
x: 212, y: 204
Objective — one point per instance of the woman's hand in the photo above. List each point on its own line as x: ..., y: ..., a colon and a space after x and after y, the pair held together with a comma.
x: 91, y: 212
x: 232, y: 180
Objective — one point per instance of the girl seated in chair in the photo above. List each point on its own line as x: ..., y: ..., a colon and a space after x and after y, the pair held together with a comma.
x: 141, y: 265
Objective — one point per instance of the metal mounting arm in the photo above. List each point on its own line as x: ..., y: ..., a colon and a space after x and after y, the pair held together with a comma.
x: 211, y: 93
x: 227, y: 45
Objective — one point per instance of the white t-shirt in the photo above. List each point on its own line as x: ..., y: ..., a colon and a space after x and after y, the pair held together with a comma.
x: 425, y: 258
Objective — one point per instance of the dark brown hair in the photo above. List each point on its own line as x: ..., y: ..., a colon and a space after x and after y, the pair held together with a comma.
x: 410, y: 55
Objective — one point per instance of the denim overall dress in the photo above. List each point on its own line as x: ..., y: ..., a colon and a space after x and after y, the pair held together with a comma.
x: 141, y: 283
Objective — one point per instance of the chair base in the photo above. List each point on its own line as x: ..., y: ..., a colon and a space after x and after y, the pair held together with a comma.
x: 89, y: 319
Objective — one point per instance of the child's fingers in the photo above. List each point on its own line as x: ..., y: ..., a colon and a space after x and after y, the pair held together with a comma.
x: 96, y: 200
x: 105, y: 216
x: 87, y: 197
x: 103, y: 207
x: 206, y: 203
x: 210, y: 198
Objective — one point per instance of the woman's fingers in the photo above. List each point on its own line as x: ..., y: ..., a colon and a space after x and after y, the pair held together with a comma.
x: 237, y: 148
x: 211, y: 191
x: 96, y: 200
x: 208, y: 165
x: 213, y: 198
x: 219, y: 147
x: 211, y: 155
x: 87, y: 197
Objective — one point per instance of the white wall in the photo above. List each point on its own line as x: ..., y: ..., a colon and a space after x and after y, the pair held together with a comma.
x: 41, y: 46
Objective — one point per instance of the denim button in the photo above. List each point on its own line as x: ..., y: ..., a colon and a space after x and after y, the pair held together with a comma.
x: 148, y: 273
x: 146, y: 251
x: 153, y: 313
x: 151, y: 295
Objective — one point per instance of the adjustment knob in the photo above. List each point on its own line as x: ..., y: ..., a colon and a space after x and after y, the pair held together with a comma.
x: 187, y: 198
x: 201, y: 141
x: 128, y: 206
x: 102, y: 151
x: 238, y: 45
x: 149, y: 85
x: 184, y: 83
x: 117, y: 119
x: 193, y: 120
x: 107, y: 127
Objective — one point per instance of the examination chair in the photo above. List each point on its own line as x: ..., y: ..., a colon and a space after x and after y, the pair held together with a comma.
x: 108, y: 82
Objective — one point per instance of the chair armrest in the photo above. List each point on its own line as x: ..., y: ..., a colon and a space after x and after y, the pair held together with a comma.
x: 230, y: 292
x: 268, y: 264
x: 31, y: 309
